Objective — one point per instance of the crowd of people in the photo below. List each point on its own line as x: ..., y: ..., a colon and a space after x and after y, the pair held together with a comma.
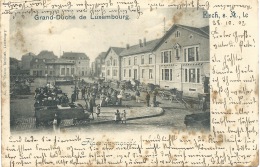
x: 50, y: 95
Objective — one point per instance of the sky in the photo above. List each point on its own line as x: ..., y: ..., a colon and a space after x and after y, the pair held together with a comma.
x: 94, y: 36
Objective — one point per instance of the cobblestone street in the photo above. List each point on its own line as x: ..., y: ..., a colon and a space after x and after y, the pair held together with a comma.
x: 23, y: 120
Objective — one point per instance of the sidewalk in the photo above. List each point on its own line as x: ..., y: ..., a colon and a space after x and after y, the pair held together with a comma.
x: 133, y: 110
x: 108, y: 113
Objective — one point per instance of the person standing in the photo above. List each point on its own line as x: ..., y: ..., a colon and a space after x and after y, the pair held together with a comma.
x: 77, y: 93
x: 73, y: 97
x: 123, y: 117
x: 91, y: 107
x: 137, y: 96
x: 154, y: 100
x: 147, y: 98
x: 117, y: 116
x: 98, y: 110
x: 83, y: 93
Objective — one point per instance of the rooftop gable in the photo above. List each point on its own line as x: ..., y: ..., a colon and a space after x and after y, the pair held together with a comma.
x: 200, y: 31
x: 117, y: 50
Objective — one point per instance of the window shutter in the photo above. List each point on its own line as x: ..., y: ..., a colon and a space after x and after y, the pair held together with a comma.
x: 186, y: 75
x: 162, y: 74
x: 198, y: 75
x: 185, y: 52
x: 170, y: 56
x: 161, y: 57
x: 197, y: 53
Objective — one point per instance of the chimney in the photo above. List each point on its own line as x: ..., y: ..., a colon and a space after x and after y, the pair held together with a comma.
x: 144, y: 41
x: 140, y: 42
x: 127, y: 46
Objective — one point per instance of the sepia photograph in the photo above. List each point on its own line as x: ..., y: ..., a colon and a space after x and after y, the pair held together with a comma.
x: 84, y: 74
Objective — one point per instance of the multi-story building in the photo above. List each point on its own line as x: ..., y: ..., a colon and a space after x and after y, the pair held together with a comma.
x: 99, y: 61
x: 38, y: 63
x: 81, y: 61
x: 15, y: 66
x: 112, y: 63
x: 38, y: 67
x: 26, y: 62
x: 60, y: 68
x: 182, y: 59
x: 138, y: 62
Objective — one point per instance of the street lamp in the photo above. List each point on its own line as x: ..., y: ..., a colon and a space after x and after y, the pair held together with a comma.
x: 46, y: 78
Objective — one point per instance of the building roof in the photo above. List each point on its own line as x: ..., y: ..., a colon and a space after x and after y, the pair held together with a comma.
x: 118, y: 50
x: 60, y: 62
x: 203, y: 31
x: 135, y: 49
x: 74, y: 56
x: 29, y: 54
x: 102, y: 55
x: 200, y: 31
x: 45, y: 54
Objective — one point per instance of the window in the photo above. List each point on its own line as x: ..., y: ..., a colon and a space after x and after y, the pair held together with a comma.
x: 36, y: 60
x: 129, y: 61
x: 142, y: 59
x: 124, y: 61
x: 43, y: 60
x: 108, y: 72
x: 177, y: 34
x: 108, y: 63
x: 72, y: 71
x: 166, y: 56
x: 46, y: 72
x: 129, y: 74
x: 62, y: 71
x: 177, y: 53
x: 167, y: 74
x: 50, y: 72
x: 114, y: 72
x: 79, y: 62
x: 124, y: 72
x: 115, y: 62
x: 68, y: 71
x: 142, y: 73
x: 150, y: 59
x: 135, y: 60
x: 150, y: 73
x: 191, y: 54
x: 192, y: 75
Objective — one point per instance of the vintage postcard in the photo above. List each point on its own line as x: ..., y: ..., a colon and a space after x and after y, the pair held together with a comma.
x: 129, y: 83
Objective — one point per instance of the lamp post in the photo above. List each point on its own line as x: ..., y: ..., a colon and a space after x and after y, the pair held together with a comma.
x: 46, y: 78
